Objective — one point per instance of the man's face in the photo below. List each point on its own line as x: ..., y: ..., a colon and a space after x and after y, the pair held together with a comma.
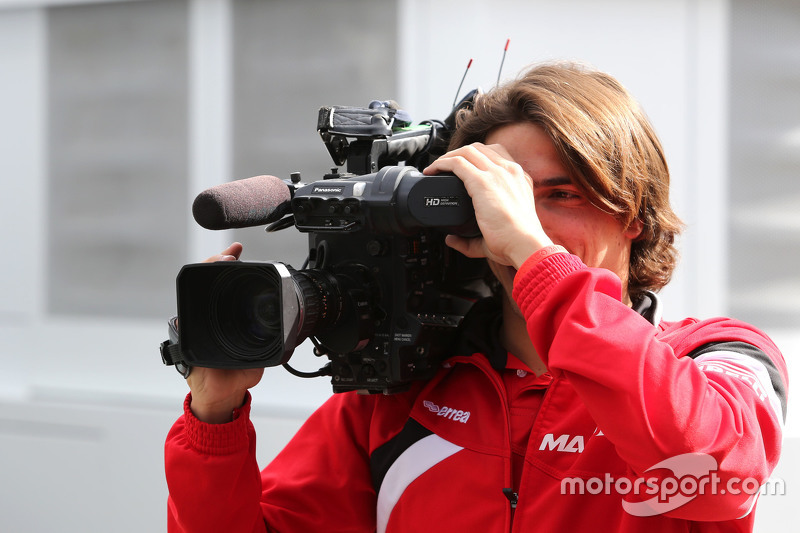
x: 566, y: 215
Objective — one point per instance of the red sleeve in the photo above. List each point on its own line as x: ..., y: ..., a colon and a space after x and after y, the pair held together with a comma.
x: 651, y: 401
x: 320, y: 482
x: 212, y: 475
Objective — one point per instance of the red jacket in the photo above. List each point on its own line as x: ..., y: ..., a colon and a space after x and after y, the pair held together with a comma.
x: 487, y: 450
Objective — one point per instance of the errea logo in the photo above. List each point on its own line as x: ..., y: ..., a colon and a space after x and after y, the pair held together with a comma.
x: 456, y: 415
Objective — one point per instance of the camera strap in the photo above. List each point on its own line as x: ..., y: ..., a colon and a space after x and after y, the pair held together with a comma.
x: 479, y: 332
x: 649, y: 306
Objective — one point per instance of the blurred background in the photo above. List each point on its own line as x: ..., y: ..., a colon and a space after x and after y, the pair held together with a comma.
x: 115, y: 114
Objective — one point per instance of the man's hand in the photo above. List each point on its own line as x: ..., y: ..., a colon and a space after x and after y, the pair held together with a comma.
x: 216, y: 392
x: 502, y: 195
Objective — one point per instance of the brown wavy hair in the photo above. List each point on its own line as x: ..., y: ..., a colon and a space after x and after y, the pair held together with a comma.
x: 607, y: 144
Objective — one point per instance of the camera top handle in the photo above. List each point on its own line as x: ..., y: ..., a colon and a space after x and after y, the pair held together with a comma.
x: 367, y: 139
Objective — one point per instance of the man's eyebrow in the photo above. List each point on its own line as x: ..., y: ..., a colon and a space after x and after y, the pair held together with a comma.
x: 555, y: 181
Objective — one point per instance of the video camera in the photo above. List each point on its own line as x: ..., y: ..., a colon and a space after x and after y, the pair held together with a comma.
x: 380, y: 295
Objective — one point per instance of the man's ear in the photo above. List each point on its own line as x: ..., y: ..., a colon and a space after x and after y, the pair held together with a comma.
x: 634, y: 229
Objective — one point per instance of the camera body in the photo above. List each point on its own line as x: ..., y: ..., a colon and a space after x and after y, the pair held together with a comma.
x: 383, y: 235
x: 381, y: 295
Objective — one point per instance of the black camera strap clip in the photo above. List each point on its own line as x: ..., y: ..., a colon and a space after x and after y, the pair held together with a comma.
x: 171, y: 350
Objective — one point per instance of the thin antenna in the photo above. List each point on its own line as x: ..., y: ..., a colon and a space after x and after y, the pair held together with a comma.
x: 462, y: 81
x: 505, y: 50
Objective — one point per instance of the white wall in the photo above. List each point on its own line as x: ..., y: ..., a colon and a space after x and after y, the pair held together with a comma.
x: 85, y: 403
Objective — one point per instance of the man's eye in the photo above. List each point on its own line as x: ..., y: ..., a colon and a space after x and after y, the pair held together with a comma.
x: 563, y: 195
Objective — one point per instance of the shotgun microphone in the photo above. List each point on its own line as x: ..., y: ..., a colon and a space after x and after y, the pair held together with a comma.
x: 242, y: 203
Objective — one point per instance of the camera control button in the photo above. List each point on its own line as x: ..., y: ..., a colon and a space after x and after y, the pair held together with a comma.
x: 375, y: 248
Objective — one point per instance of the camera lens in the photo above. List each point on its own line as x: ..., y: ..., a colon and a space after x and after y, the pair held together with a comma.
x: 320, y: 299
x: 247, y: 313
x: 263, y: 315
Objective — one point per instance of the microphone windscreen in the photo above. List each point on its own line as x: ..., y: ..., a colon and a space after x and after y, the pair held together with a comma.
x: 242, y: 203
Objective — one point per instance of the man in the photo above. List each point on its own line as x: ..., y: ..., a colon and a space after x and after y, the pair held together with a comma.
x: 578, y: 384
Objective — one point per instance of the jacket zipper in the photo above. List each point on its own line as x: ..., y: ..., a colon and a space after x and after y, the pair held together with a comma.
x: 509, y: 493
x: 513, y: 498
